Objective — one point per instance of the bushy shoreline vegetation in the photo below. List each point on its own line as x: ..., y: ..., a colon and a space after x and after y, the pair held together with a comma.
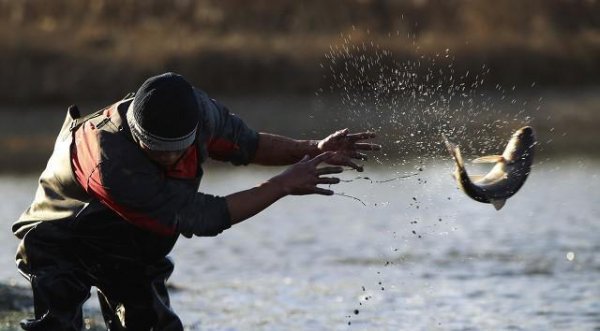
x: 67, y: 50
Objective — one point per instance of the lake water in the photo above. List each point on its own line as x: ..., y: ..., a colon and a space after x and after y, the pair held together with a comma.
x: 419, y: 255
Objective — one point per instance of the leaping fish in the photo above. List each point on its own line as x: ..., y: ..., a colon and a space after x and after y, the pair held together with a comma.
x: 506, y: 177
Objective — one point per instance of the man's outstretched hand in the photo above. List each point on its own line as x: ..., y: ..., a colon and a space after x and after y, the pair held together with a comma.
x: 300, y: 178
x: 303, y: 177
x: 348, y: 146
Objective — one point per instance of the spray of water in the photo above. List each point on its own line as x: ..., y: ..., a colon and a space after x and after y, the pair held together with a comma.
x: 410, y: 101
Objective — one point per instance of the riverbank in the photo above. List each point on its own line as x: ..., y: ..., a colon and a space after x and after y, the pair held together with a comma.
x: 246, y: 48
x: 16, y: 303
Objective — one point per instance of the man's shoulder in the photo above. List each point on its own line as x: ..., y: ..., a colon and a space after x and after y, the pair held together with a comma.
x: 108, y: 136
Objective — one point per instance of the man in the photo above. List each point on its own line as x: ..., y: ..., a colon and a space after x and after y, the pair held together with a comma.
x: 122, y: 184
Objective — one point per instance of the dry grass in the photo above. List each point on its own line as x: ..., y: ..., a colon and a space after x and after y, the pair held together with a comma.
x: 63, y: 50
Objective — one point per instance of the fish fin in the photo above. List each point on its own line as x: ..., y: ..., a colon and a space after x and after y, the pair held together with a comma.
x: 458, y: 157
x: 476, y: 178
x: 498, y: 204
x: 489, y: 159
x: 454, y: 151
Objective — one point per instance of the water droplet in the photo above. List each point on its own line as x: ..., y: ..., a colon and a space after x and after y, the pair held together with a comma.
x: 570, y: 256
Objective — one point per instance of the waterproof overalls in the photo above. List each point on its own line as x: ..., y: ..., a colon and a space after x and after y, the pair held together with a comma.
x: 105, y: 215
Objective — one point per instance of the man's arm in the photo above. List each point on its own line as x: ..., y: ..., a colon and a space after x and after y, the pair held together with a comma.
x: 300, y: 179
x: 279, y: 150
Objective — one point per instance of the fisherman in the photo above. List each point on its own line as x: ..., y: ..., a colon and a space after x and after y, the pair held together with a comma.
x: 122, y: 185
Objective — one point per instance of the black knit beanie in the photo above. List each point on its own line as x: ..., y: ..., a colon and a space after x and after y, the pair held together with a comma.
x: 164, y: 114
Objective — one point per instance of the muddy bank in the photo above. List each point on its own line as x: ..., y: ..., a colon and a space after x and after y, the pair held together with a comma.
x: 15, y: 298
x: 16, y: 303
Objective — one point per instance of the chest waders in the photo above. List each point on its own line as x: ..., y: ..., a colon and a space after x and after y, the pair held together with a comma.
x: 63, y: 259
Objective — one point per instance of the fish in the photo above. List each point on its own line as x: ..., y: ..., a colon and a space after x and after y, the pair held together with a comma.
x: 508, y: 174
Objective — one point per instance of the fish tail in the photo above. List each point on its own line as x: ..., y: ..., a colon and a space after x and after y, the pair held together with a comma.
x: 455, y: 152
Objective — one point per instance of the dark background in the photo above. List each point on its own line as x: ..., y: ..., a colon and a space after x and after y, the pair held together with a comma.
x: 69, y: 50
x: 268, y: 60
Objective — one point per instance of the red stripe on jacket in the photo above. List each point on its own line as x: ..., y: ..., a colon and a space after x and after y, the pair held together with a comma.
x: 187, y: 166
x: 221, y: 149
x: 86, y: 156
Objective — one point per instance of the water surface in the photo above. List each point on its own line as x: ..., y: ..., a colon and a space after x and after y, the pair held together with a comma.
x: 419, y: 256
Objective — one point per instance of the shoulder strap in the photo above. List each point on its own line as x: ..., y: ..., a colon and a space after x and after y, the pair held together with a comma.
x: 78, y: 120
x: 129, y: 95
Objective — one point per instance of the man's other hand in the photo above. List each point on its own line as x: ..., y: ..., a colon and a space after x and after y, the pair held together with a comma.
x: 303, y: 177
x: 347, y: 146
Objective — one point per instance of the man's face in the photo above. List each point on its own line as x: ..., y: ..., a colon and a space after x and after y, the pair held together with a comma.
x: 165, y: 159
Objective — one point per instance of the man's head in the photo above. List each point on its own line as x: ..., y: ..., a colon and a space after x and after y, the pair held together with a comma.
x: 164, y: 116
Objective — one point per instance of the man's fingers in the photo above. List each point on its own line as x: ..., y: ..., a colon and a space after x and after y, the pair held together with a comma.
x: 321, y: 157
x: 342, y: 132
x: 367, y: 146
x: 306, y: 158
x: 328, y: 180
x: 344, y: 160
x: 322, y: 191
x: 352, y: 165
x: 361, y: 136
x: 329, y: 170
x: 359, y: 156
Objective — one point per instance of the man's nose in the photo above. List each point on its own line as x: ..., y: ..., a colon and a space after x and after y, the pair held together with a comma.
x: 169, y: 158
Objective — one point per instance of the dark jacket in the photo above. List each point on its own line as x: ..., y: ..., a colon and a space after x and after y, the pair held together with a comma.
x: 97, y: 166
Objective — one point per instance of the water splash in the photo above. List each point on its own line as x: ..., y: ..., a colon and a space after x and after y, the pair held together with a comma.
x: 410, y: 102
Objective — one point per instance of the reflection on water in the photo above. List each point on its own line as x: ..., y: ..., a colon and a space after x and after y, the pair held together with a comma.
x: 419, y: 256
